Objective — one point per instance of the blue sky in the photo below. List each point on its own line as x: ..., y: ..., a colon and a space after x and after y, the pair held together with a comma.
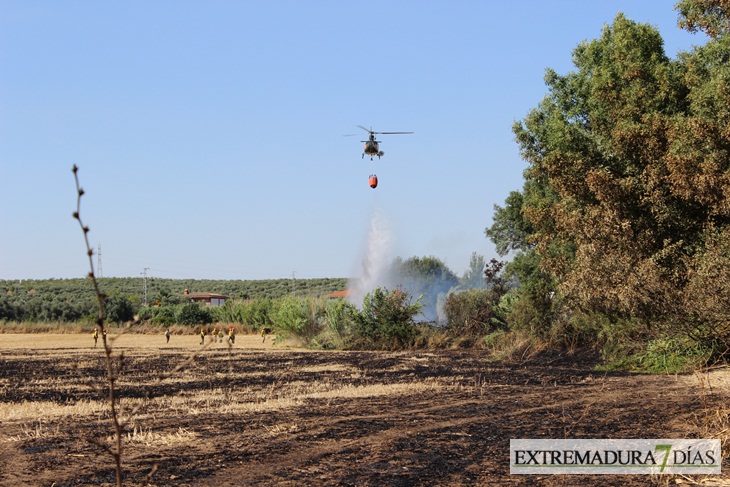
x: 209, y: 134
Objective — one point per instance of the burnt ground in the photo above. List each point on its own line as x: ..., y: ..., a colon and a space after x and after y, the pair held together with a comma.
x: 291, y: 418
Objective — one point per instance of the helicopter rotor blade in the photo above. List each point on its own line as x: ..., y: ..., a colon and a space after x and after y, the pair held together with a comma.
x: 372, y: 132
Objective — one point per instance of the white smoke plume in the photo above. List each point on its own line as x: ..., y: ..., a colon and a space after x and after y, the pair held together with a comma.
x: 375, y: 261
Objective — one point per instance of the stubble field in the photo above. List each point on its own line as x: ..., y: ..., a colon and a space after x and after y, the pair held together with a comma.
x: 254, y: 414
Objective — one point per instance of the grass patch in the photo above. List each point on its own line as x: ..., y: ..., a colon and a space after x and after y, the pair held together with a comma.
x: 663, y: 356
x: 44, y: 327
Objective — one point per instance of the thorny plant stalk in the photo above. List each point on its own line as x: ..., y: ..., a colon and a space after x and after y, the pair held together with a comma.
x: 116, y: 450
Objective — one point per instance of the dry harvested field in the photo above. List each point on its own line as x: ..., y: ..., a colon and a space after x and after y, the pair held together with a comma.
x: 261, y: 415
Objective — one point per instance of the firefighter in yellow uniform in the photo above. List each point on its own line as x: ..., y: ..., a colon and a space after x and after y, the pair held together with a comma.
x: 232, y: 335
x: 95, y: 336
x: 202, y: 336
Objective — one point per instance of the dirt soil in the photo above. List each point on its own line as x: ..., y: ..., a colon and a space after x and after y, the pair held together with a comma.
x: 276, y: 416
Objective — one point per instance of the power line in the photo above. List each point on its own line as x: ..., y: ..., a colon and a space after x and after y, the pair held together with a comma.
x: 144, y: 274
x: 98, y: 263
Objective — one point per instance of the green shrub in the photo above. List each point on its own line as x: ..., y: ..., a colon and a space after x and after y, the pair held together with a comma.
x: 386, y: 320
x: 257, y: 313
x: 472, y: 313
x: 251, y: 313
x: 336, y: 324
x: 193, y: 314
x: 164, y: 316
x: 118, y: 309
x: 297, y: 317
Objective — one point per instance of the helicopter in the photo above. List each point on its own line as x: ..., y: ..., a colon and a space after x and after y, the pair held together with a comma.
x: 372, y: 148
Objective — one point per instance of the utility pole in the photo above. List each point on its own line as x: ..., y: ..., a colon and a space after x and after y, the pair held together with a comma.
x: 294, y: 282
x: 144, y: 274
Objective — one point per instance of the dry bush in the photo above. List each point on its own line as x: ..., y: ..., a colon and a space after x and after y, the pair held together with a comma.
x: 717, y: 426
x: 714, y: 419
x: 431, y: 338
x: 514, y: 346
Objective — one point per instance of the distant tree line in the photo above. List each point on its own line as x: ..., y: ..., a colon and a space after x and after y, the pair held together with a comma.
x: 66, y: 300
x: 426, y: 296
x: 70, y: 300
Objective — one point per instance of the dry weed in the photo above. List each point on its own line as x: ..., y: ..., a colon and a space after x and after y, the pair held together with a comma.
x: 281, y: 428
x: 35, y: 431
x: 148, y: 437
x: 41, y: 410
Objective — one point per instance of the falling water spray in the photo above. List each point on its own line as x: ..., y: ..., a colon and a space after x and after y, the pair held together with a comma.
x: 375, y: 261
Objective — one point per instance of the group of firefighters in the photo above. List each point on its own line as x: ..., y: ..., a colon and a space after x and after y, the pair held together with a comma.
x: 216, y: 335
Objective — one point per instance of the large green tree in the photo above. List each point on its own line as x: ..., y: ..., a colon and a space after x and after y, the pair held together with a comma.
x: 626, y: 202
x: 474, y: 275
x: 709, y: 16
